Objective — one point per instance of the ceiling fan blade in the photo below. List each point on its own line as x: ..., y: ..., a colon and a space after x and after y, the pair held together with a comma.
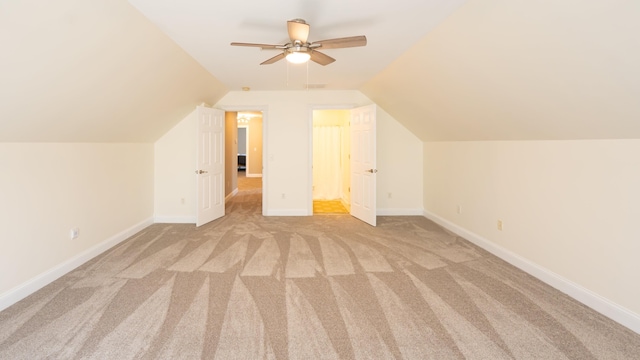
x: 262, y: 46
x: 298, y: 30
x: 346, y: 42
x: 320, y: 58
x: 273, y: 59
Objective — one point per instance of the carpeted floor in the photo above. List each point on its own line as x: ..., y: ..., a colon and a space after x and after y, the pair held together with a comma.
x: 248, y: 183
x: 322, y: 287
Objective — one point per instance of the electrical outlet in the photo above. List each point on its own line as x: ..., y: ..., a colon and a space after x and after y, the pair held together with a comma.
x: 182, y: 201
x: 459, y: 209
x: 389, y: 195
x: 74, y: 233
x: 284, y: 196
x: 499, y: 225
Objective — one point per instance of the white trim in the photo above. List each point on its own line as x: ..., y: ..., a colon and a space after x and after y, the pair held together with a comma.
x: 287, y: 212
x: 347, y: 205
x: 232, y: 194
x: 174, y: 219
x: 399, y: 212
x: 589, y: 298
x: 27, y: 288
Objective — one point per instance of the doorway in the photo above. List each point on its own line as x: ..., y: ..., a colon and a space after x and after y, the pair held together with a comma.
x: 331, y: 161
x: 248, y: 170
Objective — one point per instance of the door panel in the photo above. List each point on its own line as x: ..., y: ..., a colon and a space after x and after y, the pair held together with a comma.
x: 363, y: 164
x: 210, y: 165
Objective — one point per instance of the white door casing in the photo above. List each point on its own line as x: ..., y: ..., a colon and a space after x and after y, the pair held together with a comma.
x: 210, y: 165
x: 363, y: 163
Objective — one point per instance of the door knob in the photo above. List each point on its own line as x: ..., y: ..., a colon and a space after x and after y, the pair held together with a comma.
x: 201, y: 171
x: 373, y: 171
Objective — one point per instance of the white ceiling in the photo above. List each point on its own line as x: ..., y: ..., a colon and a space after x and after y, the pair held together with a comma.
x: 205, y: 29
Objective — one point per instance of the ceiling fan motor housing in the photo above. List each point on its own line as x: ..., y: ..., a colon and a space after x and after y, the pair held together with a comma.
x: 300, y: 50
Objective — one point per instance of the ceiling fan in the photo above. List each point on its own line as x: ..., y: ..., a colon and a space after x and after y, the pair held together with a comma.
x: 299, y: 51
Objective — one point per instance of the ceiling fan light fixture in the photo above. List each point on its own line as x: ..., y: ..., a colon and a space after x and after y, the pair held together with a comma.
x: 298, y: 57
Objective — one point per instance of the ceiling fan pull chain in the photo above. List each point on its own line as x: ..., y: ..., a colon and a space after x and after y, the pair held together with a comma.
x: 307, y: 84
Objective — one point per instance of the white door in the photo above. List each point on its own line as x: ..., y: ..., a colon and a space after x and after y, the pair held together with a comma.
x: 363, y: 164
x: 210, y: 165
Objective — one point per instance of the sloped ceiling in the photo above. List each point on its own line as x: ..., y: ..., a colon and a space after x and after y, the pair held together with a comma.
x: 92, y: 71
x: 205, y: 29
x: 520, y: 70
x: 100, y: 71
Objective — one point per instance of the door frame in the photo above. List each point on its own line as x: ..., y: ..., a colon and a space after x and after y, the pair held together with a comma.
x: 309, y: 197
x: 265, y: 165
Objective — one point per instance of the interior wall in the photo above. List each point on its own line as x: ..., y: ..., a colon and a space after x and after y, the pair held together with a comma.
x: 400, y: 168
x: 175, y: 179
x: 346, y: 160
x: 46, y: 189
x: 254, y: 148
x: 567, y: 206
x: 242, y: 139
x: 288, y: 127
x: 230, y: 152
x: 175, y: 163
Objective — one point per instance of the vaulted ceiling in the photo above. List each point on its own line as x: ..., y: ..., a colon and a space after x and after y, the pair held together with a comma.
x: 117, y: 70
x: 206, y: 28
x: 520, y: 70
x: 92, y: 71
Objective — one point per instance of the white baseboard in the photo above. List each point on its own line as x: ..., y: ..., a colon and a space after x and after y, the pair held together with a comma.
x: 345, y: 204
x: 232, y: 194
x: 174, y: 219
x: 29, y: 287
x: 598, y: 303
x: 399, y: 212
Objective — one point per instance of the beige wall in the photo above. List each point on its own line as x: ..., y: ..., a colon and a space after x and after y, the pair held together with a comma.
x: 175, y: 163
x: 230, y: 152
x: 287, y: 123
x: 569, y: 207
x: 174, y: 179
x: 400, y: 162
x: 106, y: 190
x: 287, y: 126
x: 254, y: 147
x: 331, y: 117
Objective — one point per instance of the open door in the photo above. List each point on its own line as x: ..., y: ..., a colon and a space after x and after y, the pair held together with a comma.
x: 363, y: 164
x: 210, y: 165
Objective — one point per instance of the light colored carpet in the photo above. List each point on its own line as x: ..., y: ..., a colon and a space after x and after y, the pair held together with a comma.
x: 248, y: 183
x: 324, y: 287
